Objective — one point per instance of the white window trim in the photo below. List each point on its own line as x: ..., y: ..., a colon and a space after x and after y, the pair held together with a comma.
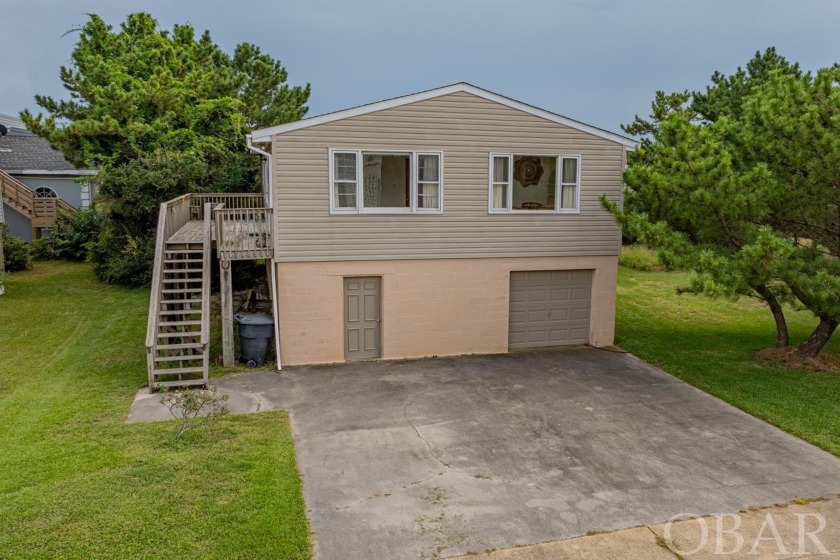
x: 360, y: 208
x: 52, y: 191
x: 558, y: 182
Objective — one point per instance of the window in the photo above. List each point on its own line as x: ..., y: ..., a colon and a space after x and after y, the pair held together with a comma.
x: 85, y: 192
x: 428, y: 181
x: 45, y: 192
x: 345, y: 179
x: 386, y: 181
x: 534, y: 183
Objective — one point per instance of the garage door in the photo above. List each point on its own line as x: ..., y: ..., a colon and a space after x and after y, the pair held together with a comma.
x: 549, y: 308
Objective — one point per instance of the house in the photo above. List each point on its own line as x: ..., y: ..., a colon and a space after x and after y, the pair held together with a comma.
x: 451, y: 221
x: 37, y: 181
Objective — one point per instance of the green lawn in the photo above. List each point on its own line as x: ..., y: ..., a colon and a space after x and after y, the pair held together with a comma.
x: 77, y: 482
x: 708, y: 344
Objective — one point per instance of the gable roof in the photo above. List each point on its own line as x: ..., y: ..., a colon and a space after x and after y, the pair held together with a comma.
x: 265, y: 134
x: 24, y: 153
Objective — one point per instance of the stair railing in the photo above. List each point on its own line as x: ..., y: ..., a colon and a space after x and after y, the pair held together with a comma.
x: 154, y: 299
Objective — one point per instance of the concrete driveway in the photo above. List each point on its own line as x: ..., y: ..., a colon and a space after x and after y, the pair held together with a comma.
x: 441, y: 457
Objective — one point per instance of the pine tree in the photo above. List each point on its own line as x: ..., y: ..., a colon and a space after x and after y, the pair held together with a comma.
x: 740, y: 184
x: 159, y: 113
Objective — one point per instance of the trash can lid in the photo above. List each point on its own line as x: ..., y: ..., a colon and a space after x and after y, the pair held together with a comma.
x: 254, y: 319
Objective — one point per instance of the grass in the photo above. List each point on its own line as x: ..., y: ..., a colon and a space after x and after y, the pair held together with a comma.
x: 708, y: 343
x: 77, y: 482
x: 639, y: 257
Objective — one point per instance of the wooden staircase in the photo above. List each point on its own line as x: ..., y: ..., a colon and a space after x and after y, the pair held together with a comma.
x: 177, y: 341
x: 179, y: 356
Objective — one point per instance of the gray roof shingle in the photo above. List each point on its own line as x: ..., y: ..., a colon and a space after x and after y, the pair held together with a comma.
x: 20, y: 150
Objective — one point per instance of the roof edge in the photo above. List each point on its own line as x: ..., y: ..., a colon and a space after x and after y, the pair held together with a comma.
x: 265, y: 134
x: 43, y: 172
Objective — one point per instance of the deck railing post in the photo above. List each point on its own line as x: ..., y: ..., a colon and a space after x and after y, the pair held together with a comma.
x: 227, y: 313
x: 205, y: 286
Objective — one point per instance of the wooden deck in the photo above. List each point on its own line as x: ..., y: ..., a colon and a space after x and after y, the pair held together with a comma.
x: 192, y: 232
x: 242, y: 239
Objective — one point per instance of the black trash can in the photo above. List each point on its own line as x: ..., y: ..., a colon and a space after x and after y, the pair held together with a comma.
x: 255, y: 332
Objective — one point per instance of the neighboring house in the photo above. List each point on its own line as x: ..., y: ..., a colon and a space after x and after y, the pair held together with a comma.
x: 451, y: 221
x: 41, y: 172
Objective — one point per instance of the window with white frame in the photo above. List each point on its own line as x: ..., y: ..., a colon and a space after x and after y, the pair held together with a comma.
x: 386, y: 181
x: 534, y: 183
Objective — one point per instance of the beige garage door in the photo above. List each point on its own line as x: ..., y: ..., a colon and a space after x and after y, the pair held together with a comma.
x: 549, y: 308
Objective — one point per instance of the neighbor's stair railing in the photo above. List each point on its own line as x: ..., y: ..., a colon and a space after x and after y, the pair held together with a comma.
x: 42, y: 212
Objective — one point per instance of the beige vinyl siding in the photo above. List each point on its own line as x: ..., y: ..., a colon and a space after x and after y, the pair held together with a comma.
x: 466, y: 128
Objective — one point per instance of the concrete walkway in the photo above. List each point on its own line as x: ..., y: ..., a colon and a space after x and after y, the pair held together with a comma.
x: 247, y: 393
x: 809, y: 530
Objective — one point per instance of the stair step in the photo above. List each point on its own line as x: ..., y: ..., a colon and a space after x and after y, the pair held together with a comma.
x: 183, y: 260
x: 179, y: 323
x: 179, y: 383
x: 177, y: 370
x: 188, y: 291
x: 195, y: 345
x: 183, y: 280
x: 180, y: 312
x: 183, y: 270
x: 183, y: 251
x: 187, y: 334
x: 183, y: 358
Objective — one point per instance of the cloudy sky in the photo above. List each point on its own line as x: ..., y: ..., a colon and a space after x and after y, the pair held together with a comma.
x: 598, y: 61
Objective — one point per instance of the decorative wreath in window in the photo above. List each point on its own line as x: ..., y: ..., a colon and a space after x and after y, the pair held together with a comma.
x: 45, y: 192
x: 527, y: 170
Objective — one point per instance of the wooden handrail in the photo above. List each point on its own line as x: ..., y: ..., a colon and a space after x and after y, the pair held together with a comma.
x: 229, y: 200
x: 64, y: 206
x: 17, y: 194
x: 154, y: 298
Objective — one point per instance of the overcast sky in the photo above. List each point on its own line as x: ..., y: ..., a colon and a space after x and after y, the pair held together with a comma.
x: 598, y: 61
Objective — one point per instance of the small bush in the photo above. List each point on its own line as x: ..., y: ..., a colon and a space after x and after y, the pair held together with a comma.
x: 193, y: 408
x: 669, y: 260
x: 639, y: 257
x: 121, y: 259
x: 42, y: 250
x: 15, y: 251
x: 71, y: 238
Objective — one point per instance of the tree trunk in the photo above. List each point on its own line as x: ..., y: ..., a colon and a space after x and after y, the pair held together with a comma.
x: 818, y: 338
x: 782, y: 336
